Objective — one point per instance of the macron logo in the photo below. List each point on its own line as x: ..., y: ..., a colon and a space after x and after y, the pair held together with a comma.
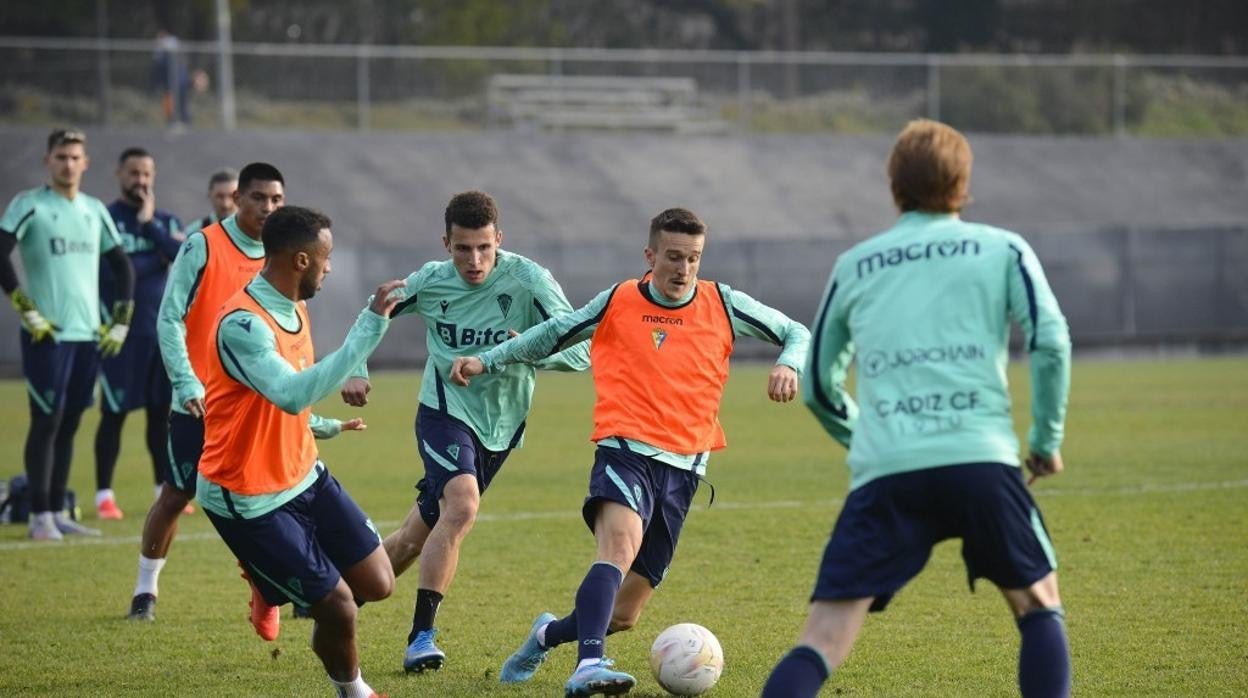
x: 662, y: 320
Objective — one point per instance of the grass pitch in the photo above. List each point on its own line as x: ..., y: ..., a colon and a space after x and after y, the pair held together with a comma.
x: 1150, y: 523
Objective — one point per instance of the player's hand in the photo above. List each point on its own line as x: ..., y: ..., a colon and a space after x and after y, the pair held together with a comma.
x: 355, y: 391
x: 464, y: 368
x: 356, y: 424
x: 1043, y: 466
x: 33, y: 320
x: 147, y: 204
x: 387, y: 296
x: 194, y: 407
x: 782, y: 384
x: 512, y: 334
x: 113, y: 335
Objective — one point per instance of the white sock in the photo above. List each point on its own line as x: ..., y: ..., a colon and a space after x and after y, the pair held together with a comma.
x: 156, y: 494
x: 149, y: 575
x: 101, y: 495
x: 541, y: 635
x: 43, y: 519
x: 355, y: 688
x: 586, y: 662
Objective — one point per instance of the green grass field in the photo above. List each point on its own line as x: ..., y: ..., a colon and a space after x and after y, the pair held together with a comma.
x: 1150, y: 523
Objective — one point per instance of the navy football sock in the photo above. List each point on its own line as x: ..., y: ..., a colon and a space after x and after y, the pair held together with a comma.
x: 107, y: 446
x: 594, y: 602
x: 427, y: 601
x: 799, y: 674
x: 1044, y: 656
x: 560, y: 631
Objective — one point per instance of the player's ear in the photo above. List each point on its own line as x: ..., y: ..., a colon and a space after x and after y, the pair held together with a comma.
x: 302, y: 260
x: 498, y: 237
x: 650, y: 257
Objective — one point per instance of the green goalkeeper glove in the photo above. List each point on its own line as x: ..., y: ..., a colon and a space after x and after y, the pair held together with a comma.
x: 33, y: 320
x: 113, y: 335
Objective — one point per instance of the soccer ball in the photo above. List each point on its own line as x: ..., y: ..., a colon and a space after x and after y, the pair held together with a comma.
x: 686, y: 659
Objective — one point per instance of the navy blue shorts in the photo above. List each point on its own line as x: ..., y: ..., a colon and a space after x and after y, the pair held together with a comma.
x: 135, y: 378
x: 660, y: 494
x: 186, y: 443
x: 59, y: 375
x: 294, y: 553
x: 450, y: 448
x: 886, y: 530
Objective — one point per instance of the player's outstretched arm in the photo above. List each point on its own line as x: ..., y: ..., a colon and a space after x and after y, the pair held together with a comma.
x: 327, y: 427
x: 253, y: 359
x: 356, y: 389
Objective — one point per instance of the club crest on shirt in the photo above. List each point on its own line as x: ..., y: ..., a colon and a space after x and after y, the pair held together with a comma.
x: 445, y: 305
x: 504, y: 303
x: 659, y: 336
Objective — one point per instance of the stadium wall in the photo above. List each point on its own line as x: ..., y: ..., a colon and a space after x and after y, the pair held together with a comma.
x: 1145, y: 241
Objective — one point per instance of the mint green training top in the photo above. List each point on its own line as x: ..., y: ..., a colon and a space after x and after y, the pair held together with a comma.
x: 255, y: 362
x: 924, y: 309
x: 61, y: 241
x: 464, y: 320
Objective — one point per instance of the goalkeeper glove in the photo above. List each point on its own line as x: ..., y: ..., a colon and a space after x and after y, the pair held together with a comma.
x: 113, y: 335
x: 33, y: 320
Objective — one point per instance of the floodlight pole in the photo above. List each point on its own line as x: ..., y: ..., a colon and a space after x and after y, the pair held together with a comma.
x: 225, y: 66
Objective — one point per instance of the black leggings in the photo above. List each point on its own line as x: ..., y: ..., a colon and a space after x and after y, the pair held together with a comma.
x: 108, y: 444
x: 49, y: 452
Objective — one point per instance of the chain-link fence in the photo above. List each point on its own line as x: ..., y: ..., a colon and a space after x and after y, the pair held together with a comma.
x: 428, y: 87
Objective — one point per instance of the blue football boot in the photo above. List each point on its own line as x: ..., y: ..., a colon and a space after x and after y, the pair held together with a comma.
x: 593, y: 679
x: 422, y: 654
x: 524, y: 663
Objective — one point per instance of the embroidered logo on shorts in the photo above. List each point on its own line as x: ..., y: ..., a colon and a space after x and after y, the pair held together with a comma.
x: 637, y: 493
x: 504, y: 303
x: 453, y: 451
x: 659, y: 336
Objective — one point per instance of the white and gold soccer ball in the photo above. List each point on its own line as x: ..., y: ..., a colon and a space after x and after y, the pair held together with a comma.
x: 686, y: 659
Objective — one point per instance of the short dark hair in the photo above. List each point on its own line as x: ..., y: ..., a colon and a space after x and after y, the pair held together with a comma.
x: 675, y: 220
x: 258, y: 172
x: 471, y: 210
x: 929, y: 168
x: 133, y: 151
x: 291, y: 229
x: 226, y: 175
x: 65, y: 136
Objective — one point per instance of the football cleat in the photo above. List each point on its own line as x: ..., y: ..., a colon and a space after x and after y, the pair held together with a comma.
x: 266, y: 619
x: 43, y: 527
x: 108, y: 510
x: 525, y: 662
x: 422, y: 655
x: 69, y: 527
x: 142, y: 607
x: 596, y: 678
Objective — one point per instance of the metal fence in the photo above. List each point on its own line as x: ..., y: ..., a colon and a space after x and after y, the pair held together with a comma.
x: 431, y: 87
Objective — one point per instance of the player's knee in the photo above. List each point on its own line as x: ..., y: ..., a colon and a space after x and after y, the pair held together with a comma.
x: 378, y: 586
x: 338, y: 606
x: 172, y: 499
x: 1041, y: 595
x: 459, y: 512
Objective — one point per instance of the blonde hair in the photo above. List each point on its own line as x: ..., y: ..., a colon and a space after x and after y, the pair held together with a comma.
x: 930, y: 168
